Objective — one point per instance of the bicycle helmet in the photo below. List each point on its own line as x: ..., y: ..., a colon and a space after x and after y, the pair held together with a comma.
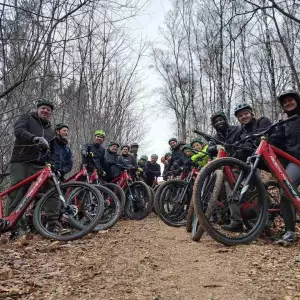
x: 144, y: 157
x: 291, y: 93
x: 134, y: 145
x: 168, y: 154
x: 114, y: 143
x: 154, y: 155
x: 187, y: 147
x: 243, y: 106
x: 172, y: 139
x: 196, y: 141
x: 218, y: 114
x: 46, y: 103
x: 100, y: 132
x: 60, y: 126
x: 125, y: 146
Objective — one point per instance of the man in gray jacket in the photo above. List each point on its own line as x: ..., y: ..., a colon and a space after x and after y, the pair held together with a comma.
x: 33, y: 133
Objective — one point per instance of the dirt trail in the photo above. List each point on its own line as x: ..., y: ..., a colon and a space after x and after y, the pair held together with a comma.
x: 147, y: 260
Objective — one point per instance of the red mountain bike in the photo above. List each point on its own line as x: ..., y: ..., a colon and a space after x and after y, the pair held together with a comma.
x: 246, y: 181
x: 57, y: 204
x: 139, y: 200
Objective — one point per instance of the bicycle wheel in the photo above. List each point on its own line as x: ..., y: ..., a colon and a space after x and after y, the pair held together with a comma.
x: 70, y: 218
x: 213, y: 214
x: 189, y: 218
x: 173, y: 202
x: 112, y: 209
x: 118, y: 191
x: 139, y: 201
x: 197, y: 229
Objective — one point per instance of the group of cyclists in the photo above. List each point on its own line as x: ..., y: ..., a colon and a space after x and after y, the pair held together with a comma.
x: 285, y: 137
x: 37, y: 142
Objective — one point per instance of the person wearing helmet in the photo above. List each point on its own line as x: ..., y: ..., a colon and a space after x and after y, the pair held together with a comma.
x: 249, y: 124
x: 33, y: 138
x: 201, y: 158
x: 61, y: 155
x: 152, y: 170
x: 225, y: 132
x: 177, y: 156
x: 112, y: 160
x: 134, y: 147
x: 287, y: 137
x: 142, y: 161
x: 127, y: 157
x: 165, y: 160
x: 93, y: 153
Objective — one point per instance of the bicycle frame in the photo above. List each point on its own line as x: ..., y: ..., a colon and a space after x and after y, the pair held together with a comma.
x: 91, y: 178
x: 122, y: 180
x: 37, y: 180
x: 269, y: 154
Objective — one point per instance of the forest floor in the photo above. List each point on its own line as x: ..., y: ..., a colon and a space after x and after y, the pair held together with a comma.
x: 147, y: 260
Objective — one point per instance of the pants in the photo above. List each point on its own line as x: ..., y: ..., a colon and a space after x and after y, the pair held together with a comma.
x: 287, y: 209
x: 19, y: 172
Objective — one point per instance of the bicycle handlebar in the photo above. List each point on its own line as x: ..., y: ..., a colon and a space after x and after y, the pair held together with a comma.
x: 258, y: 134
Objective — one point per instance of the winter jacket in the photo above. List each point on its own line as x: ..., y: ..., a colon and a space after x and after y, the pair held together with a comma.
x: 61, y: 155
x: 177, y: 159
x: 201, y: 158
x: 111, y: 160
x: 231, y: 136
x: 287, y: 138
x: 27, y: 127
x: 130, y: 160
x: 152, y: 171
x: 256, y: 125
x: 97, y: 160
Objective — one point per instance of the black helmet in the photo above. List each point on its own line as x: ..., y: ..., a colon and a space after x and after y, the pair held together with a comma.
x: 114, y: 143
x: 172, y: 139
x: 218, y: 114
x: 46, y: 103
x: 241, y: 107
x: 292, y: 93
x: 60, y: 126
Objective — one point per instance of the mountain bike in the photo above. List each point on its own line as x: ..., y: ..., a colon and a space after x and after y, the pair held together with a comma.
x: 57, y: 205
x: 139, y: 199
x: 247, y: 180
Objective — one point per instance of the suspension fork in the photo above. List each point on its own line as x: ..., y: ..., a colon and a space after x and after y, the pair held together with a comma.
x: 250, y: 177
x: 60, y: 194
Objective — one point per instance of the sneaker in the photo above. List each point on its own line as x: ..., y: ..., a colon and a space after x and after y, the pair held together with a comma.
x: 54, y: 226
x: 17, y: 233
x: 287, y: 239
x: 234, y: 226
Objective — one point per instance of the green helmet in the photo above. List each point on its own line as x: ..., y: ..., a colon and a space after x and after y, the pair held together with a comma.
x: 187, y: 147
x: 113, y: 143
x: 154, y: 155
x: 168, y: 154
x: 60, y: 126
x: 218, y: 114
x: 196, y: 141
x: 100, y: 132
x: 144, y: 157
x: 46, y: 103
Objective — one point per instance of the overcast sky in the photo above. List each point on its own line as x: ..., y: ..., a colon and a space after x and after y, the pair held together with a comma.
x: 159, y: 121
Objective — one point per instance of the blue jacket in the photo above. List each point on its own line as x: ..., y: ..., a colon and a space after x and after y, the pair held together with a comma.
x: 61, y: 155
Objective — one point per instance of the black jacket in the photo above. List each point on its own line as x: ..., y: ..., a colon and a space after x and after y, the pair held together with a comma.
x: 129, y: 160
x: 176, y: 159
x: 249, y: 146
x: 231, y: 136
x: 27, y: 127
x: 111, y: 160
x: 287, y: 137
x: 61, y: 155
x: 152, y: 171
x: 97, y: 161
